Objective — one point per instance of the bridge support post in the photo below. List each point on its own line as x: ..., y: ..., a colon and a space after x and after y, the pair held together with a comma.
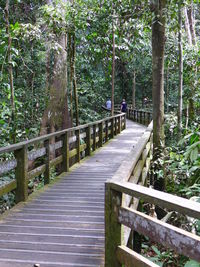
x: 65, y: 152
x: 21, y: 174
x: 47, y: 162
x: 106, y: 131
x: 100, y: 134
x: 94, y: 137
x: 78, y: 152
x: 88, y: 141
x: 115, y: 133
x: 113, y: 200
x: 119, y: 125
x: 112, y: 128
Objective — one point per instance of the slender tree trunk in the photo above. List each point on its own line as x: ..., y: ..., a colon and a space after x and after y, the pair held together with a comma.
x: 158, y: 47
x: 113, y: 65
x: 187, y: 27
x: 192, y: 23
x: 180, y: 89
x: 167, y: 89
x: 74, y: 78
x: 10, y: 71
x: 134, y: 88
x: 71, y: 76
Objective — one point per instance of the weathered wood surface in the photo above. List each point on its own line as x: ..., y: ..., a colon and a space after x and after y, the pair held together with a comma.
x: 64, y: 226
x: 168, y: 235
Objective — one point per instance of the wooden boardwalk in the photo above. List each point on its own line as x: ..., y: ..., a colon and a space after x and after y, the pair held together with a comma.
x: 64, y: 225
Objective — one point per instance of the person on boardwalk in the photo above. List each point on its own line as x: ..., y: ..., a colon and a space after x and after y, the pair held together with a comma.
x: 123, y: 106
x: 108, y: 104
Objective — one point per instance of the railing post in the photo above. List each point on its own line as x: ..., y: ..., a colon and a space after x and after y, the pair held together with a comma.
x: 112, y: 128
x: 100, y: 134
x: 106, y: 131
x: 113, y: 200
x: 94, y: 137
x: 134, y: 115
x: 115, y: 126
x: 65, y: 152
x: 119, y: 124
x: 21, y: 174
x: 47, y: 162
x: 124, y: 121
x: 88, y: 141
x: 78, y: 152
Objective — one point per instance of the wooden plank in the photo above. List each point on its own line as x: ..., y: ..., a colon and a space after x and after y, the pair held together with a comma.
x: 130, y: 258
x: 165, y: 234
x: 94, y: 137
x: 21, y: 174
x: 165, y: 200
x: 36, y: 172
x: 8, y: 187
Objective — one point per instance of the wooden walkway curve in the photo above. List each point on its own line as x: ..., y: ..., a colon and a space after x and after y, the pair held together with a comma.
x: 64, y: 225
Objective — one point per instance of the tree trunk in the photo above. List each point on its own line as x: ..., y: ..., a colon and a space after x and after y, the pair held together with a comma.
x: 74, y: 78
x: 191, y: 24
x: 113, y: 65
x: 10, y: 71
x: 167, y: 89
x: 134, y: 87
x: 187, y: 27
x: 71, y: 76
x: 158, y: 47
x: 180, y: 89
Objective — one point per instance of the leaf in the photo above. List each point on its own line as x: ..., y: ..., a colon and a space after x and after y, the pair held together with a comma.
x: 192, y: 263
x: 194, y: 154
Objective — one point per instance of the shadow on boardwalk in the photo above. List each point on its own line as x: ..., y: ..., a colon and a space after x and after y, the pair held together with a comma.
x: 64, y: 225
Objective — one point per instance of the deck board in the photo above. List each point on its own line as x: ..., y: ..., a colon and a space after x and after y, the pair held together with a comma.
x: 64, y: 225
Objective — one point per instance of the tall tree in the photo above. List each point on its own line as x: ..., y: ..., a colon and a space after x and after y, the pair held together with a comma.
x: 180, y: 88
x: 158, y: 48
x: 56, y: 115
x: 10, y: 71
x: 113, y: 61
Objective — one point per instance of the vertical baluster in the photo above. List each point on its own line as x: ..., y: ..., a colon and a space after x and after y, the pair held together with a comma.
x: 65, y: 152
x: 47, y: 162
x: 112, y: 128
x: 21, y: 174
x: 119, y: 124
x: 88, y: 141
x: 94, y: 137
x: 100, y: 134
x: 115, y: 133
x: 78, y: 154
x: 106, y: 130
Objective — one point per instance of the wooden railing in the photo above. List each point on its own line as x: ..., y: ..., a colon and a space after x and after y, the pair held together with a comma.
x: 64, y: 148
x: 124, y: 221
x: 140, y: 116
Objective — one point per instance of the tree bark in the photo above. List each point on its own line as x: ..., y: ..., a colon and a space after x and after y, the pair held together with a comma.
x: 134, y: 88
x: 10, y: 71
x: 192, y: 23
x: 158, y: 47
x: 180, y: 89
x: 74, y: 78
x: 56, y: 115
x: 187, y: 27
x: 71, y: 76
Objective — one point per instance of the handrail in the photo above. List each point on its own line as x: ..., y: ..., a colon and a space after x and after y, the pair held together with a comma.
x: 122, y: 216
x: 73, y: 143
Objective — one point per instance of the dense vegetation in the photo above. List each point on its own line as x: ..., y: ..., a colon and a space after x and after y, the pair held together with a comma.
x: 56, y: 57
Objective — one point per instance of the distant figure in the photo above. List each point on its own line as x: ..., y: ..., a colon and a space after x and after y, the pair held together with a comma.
x: 108, y: 104
x: 123, y: 106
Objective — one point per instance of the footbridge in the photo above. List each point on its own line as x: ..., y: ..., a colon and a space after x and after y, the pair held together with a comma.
x: 90, y: 215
